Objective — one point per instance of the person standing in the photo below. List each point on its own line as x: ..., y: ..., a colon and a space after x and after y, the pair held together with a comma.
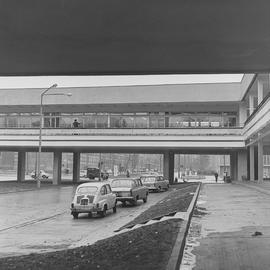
x: 76, y: 123
x: 216, y: 176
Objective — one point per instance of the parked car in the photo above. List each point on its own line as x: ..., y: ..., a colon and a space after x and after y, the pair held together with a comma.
x: 129, y: 190
x: 94, y: 197
x: 93, y: 173
x: 155, y: 182
x: 83, y: 173
x: 43, y: 174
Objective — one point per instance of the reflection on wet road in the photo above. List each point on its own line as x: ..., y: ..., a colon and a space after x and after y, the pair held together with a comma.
x: 39, y: 221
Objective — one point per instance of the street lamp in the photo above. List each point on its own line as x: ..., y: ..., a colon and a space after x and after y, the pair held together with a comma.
x: 41, y: 126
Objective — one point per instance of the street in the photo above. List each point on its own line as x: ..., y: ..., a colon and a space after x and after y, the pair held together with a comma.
x: 40, y: 221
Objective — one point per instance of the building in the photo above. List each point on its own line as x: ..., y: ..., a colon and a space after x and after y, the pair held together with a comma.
x: 211, y: 118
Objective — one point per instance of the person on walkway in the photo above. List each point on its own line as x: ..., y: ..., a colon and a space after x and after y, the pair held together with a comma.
x: 216, y: 176
x: 76, y: 123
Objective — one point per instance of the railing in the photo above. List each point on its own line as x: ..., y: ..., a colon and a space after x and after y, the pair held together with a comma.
x: 125, y: 131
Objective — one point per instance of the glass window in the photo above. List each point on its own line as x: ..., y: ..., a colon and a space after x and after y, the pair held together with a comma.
x: 157, y: 120
x: 25, y: 122
x: 11, y: 122
x: 141, y: 121
x: 102, y: 121
x: 90, y: 121
x: 109, y: 189
x: 87, y: 190
x: 103, y: 190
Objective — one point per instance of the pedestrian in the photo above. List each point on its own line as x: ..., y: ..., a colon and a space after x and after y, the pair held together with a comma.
x: 76, y: 123
x: 216, y: 176
x: 128, y: 173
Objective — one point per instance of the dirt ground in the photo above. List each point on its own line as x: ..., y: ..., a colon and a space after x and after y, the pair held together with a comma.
x: 129, y: 250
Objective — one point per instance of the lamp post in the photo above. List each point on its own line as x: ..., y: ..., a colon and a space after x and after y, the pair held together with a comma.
x: 41, y: 126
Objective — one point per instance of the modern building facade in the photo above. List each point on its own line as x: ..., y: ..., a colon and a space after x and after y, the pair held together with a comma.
x: 210, y: 118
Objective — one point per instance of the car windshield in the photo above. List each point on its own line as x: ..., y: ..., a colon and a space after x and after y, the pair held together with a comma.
x: 122, y: 183
x: 148, y: 179
x: 87, y: 190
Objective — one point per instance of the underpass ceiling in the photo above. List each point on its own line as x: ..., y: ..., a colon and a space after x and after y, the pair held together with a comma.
x: 99, y: 37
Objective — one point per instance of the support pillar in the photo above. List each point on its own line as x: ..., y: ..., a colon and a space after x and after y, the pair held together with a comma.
x: 233, y: 166
x: 168, y: 166
x: 242, y: 114
x: 57, y: 167
x: 251, y: 163
x: 242, y: 159
x: 260, y: 91
x: 76, y: 167
x: 260, y: 161
x: 251, y: 104
x: 21, y: 166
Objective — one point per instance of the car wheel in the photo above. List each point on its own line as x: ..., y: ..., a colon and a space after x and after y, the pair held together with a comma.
x: 145, y: 199
x: 44, y: 176
x: 104, y: 212
x: 75, y: 215
x: 135, y: 201
x: 114, y: 208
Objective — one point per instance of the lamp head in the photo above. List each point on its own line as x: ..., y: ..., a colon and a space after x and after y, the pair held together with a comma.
x: 54, y: 85
x: 69, y: 94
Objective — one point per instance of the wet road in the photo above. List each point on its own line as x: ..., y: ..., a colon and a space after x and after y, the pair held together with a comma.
x: 40, y: 221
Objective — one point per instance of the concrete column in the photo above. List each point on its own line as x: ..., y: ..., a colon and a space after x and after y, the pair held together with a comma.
x: 242, y: 158
x: 242, y: 114
x: 260, y: 161
x: 76, y: 167
x: 57, y: 167
x: 21, y: 166
x: 260, y: 91
x: 168, y: 166
x: 251, y: 163
x: 233, y: 166
x: 251, y: 104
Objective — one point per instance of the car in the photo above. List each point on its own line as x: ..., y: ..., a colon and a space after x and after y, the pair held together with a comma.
x: 83, y: 173
x: 129, y: 190
x: 93, y: 198
x: 155, y: 182
x: 43, y: 174
x: 93, y: 173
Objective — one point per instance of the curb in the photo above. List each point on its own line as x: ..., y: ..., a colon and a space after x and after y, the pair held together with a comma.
x: 180, y: 242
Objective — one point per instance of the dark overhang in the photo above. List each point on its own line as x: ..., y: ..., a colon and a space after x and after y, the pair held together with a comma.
x: 101, y: 37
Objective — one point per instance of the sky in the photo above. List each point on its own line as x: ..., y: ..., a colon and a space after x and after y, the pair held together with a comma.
x: 88, y: 81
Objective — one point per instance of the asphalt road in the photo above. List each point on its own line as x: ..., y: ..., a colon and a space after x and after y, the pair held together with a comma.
x: 40, y: 221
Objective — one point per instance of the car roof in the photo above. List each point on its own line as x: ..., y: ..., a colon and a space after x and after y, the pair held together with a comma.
x: 93, y: 184
x: 125, y: 179
x: 151, y: 175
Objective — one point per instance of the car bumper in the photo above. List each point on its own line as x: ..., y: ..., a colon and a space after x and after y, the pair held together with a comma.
x: 85, y: 209
x: 121, y: 199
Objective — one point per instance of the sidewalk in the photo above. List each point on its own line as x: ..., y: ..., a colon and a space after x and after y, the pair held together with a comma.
x: 230, y: 229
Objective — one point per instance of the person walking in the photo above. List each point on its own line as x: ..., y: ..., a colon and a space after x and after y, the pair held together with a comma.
x: 216, y: 176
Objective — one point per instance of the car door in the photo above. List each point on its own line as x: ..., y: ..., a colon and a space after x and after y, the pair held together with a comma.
x: 140, y: 188
x: 162, y: 182
x: 110, y: 197
x: 103, y: 195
